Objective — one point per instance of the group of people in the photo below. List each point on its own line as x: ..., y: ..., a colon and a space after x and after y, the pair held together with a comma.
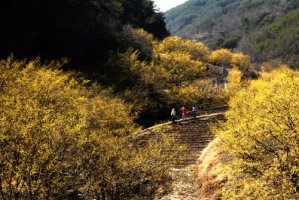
x: 184, y: 111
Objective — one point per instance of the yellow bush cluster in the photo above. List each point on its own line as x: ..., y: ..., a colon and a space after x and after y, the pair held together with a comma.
x: 262, y: 135
x: 175, y: 76
x: 227, y: 58
x: 60, y: 137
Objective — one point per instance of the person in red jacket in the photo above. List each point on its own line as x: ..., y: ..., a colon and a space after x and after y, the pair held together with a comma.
x: 184, y: 112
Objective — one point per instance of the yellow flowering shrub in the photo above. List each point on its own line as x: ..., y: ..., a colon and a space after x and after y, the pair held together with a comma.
x: 240, y: 61
x: 201, y: 93
x: 221, y: 57
x: 196, y: 50
x: 61, y: 137
x: 261, y: 135
x: 234, y: 79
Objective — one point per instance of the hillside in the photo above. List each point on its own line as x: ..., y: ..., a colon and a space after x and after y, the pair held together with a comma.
x: 82, y: 82
x: 87, y: 33
x: 278, y: 39
x: 235, y: 24
x: 210, y: 179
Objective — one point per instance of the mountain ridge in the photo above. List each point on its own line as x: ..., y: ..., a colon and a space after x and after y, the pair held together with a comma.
x: 232, y: 24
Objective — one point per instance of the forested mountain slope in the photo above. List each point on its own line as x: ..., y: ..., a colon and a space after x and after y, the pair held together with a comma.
x: 279, y: 39
x: 87, y: 32
x: 237, y: 24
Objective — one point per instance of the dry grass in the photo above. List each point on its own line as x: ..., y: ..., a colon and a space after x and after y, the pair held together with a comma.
x: 210, y: 180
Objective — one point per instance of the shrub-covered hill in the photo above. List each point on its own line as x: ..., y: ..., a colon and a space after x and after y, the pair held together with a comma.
x: 235, y: 24
x: 261, y: 138
x: 61, y: 138
x: 122, y: 45
x: 276, y: 40
x: 255, y: 154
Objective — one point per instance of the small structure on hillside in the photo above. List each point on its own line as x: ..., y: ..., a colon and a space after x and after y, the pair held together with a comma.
x: 218, y: 75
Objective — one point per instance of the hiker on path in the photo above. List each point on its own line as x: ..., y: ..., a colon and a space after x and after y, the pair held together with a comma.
x: 172, y: 115
x: 184, y: 112
x: 194, y: 110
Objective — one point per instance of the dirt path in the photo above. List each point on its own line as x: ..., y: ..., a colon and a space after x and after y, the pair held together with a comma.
x: 184, y: 185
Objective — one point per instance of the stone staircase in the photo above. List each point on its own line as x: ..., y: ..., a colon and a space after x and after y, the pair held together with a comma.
x: 194, y: 133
